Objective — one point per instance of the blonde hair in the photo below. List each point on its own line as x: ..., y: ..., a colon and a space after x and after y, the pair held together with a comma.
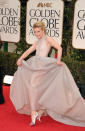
x: 40, y: 24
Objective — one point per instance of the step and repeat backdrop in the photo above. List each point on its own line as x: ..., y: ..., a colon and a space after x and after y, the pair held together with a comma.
x: 10, y: 20
x: 79, y: 25
x: 51, y: 12
x: 48, y: 11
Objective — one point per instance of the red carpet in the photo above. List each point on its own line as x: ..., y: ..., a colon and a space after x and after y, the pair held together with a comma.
x: 10, y: 120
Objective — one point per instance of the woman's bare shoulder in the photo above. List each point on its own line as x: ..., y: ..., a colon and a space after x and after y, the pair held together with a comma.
x: 50, y: 39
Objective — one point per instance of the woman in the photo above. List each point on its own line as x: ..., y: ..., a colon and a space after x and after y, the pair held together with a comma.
x: 45, y: 85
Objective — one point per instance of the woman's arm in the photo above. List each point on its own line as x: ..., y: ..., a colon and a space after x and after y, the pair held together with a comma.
x: 54, y: 44
x: 26, y: 53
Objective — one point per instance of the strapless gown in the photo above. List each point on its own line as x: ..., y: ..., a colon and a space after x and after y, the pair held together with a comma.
x: 41, y: 84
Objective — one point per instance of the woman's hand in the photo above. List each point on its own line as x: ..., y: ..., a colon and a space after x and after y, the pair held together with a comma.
x: 59, y: 63
x: 19, y: 62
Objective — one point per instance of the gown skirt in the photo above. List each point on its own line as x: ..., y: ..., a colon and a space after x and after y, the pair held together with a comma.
x: 41, y: 84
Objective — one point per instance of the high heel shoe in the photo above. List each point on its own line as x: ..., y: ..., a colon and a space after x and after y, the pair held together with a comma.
x: 40, y: 113
x: 34, y: 119
x: 38, y: 118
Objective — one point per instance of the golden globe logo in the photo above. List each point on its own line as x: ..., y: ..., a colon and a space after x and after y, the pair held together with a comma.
x: 49, y: 17
x: 44, y: 4
x: 9, y: 20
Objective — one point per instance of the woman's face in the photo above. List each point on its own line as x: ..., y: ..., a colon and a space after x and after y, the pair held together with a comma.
x: 38, y: 32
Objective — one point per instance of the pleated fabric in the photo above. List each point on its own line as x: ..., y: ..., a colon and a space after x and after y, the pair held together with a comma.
x: 41, y: 84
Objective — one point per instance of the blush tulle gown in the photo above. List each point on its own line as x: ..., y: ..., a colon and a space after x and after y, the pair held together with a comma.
x: 41, y: 84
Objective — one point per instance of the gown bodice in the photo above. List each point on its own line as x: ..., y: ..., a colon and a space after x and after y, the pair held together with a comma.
x: 42, y: 49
